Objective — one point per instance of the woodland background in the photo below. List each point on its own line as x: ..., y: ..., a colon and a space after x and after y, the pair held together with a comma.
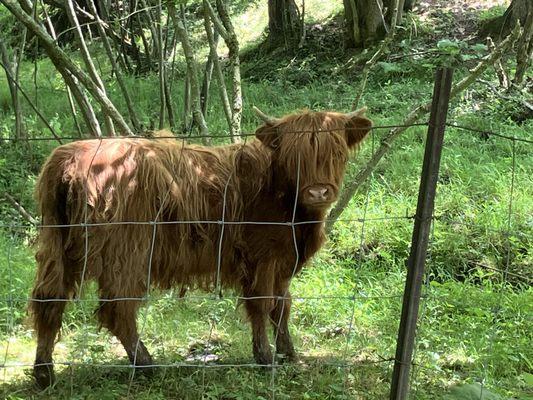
x: 100, y: 68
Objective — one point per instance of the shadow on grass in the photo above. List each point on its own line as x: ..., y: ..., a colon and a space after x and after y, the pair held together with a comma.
x: 311, y: 377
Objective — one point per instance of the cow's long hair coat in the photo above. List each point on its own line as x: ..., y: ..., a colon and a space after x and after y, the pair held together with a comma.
x: 119, y: 186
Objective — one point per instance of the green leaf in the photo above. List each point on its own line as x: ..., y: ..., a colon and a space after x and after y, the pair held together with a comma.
x: 528, y: 378
x: 390, y: 67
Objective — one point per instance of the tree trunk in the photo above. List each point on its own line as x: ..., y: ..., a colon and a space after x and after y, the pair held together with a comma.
x: 409, y: 5
x: 10, y: 71
x: 89, y: 64
x: 518, y: 10
x: 233, y: 46
x: 218, y: 70
x: 365, y: 22
x: 500, y: 26
x: 284, y: 23
x: 524, y: 51
x: 192, y: 73
x: 224, y: 27
x: 388, y: 7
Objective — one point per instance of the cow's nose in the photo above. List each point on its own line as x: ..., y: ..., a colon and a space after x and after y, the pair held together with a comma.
x: 318, y: 194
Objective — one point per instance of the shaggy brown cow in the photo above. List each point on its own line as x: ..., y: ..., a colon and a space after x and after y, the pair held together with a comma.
x: 111, y: 184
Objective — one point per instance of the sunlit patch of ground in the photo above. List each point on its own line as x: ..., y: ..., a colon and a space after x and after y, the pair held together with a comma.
x: 464, y: 15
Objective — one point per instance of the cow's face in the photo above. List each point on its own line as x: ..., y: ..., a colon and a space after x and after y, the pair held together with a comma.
x: 310, y: 151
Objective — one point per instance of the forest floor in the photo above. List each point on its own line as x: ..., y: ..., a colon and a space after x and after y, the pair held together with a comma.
x: 463, y: 15
x: 474, y: 337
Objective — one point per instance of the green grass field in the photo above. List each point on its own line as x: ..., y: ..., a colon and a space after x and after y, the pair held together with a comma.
x: 475, y: 324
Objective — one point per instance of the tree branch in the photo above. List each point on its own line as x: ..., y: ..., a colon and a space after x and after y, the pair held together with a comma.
x: 219, y: 26
x: 118, y: 73
x: 21, y: 210
x: 86, y: 56
x: 62, y: 59
x: 30, y: 102
x: 351, y: 188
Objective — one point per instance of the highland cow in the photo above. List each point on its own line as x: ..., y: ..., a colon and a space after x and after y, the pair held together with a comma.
x: 99, y: 200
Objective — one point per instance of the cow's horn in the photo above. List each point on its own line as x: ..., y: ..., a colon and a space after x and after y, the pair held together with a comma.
x: 356, y: 113
x: 268, y: 119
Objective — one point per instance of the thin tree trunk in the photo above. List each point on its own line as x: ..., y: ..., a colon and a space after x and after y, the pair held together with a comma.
x: 79, y: 94
x: 192, y: 72
x: 208, y: 73
x: 351, y: 188
x: 11, y: 82
x: 19, y: 125
x: 186, y: 103
x: 161, y: 53
x: 86, y: 56
x: 73, y: 112
x: 233, y: 46
x: 302, y: 36
x: 147, y: 50
x: 30, y: 102
x: 225, y: 29
x: 166, y: 85
x: 218, y: 70
x: 391, y: 14
x: 168, y: 99
x: 86, y: 108
x: 118, y: 73
x: 58, y: 56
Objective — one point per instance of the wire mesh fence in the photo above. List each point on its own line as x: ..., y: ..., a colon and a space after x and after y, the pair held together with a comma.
x: 205, y: 361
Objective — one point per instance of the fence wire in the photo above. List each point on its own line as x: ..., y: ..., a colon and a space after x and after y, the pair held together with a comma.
x: 280, y: 298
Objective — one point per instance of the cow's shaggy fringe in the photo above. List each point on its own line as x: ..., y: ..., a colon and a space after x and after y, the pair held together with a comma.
x: 165, y: 180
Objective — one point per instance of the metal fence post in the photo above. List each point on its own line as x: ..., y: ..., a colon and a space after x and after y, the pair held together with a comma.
x: 419, y: 242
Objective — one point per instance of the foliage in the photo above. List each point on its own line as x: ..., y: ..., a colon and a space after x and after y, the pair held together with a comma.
x: 473, y: 326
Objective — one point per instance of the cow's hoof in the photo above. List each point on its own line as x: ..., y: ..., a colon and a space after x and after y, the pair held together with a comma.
x: 44, y: 375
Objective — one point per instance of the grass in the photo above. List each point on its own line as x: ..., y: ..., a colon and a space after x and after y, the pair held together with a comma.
x: 468, y: 332
x: 473, y: 327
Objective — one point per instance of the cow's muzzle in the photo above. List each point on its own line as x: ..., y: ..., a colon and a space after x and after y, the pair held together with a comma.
x: 319, y: 195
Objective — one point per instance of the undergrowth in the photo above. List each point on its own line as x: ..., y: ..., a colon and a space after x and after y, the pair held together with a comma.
x: 474, y: 328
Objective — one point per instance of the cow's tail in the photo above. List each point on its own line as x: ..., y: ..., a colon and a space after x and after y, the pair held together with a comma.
x: 52, y: 278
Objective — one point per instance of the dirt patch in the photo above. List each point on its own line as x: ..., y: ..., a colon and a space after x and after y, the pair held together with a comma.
x: 458, y: 19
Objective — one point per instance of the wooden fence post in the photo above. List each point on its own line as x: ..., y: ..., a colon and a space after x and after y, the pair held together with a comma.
x: 422, y: 225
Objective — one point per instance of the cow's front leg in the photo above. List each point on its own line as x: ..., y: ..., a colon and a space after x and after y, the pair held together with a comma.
x: 258, y: 310
x: 279, y: 317
x: 259, y: 294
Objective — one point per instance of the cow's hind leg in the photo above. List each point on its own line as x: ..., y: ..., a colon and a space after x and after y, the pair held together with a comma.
x: 279, y: 317
x: 47, y: 315
x: 119, y: 316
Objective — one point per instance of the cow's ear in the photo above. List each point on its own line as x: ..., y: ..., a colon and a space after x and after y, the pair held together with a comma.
x: 356, y: 130
x: 268, y: 135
